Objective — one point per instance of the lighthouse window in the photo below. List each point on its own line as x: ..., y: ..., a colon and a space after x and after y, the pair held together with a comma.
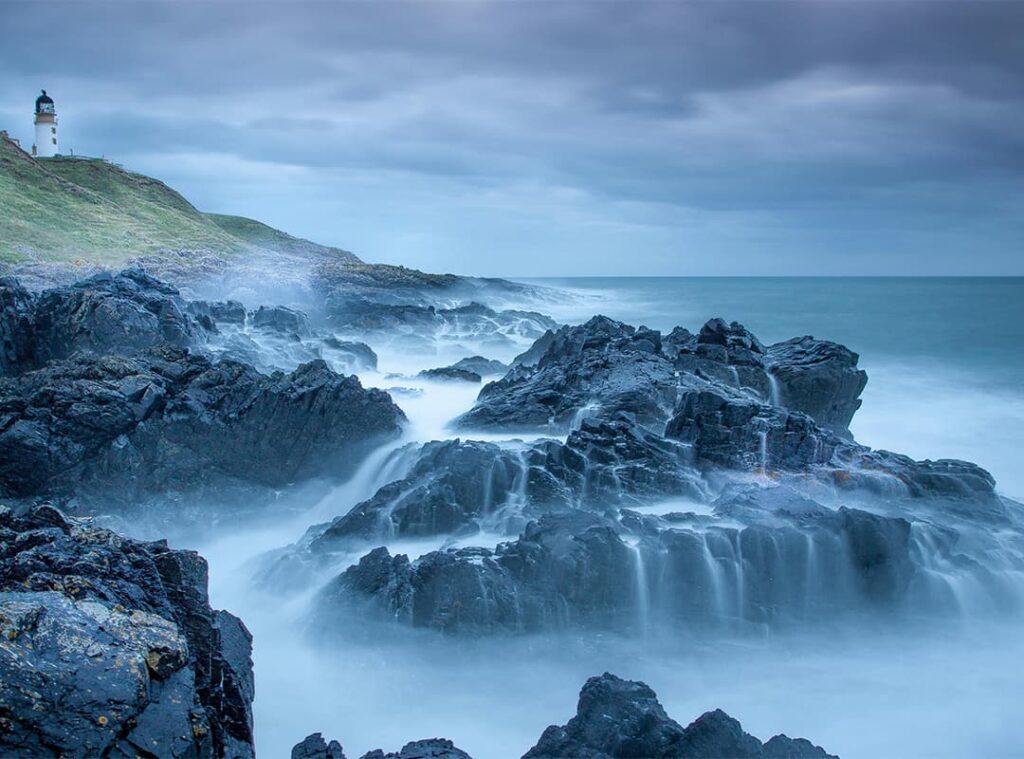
x: 54, y: 140
x: 53, y: 130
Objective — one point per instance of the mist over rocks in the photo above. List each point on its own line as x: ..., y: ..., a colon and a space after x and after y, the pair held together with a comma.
x: 109, y: 645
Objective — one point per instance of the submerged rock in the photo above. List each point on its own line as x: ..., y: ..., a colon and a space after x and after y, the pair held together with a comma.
x: 480, y: 365
x: 124, y: 429
x: 619, y: 718
x: 462, y: 487
x: 109, y: 646
x: 451, y: 373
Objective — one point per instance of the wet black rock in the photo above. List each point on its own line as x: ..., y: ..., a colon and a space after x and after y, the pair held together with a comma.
x: 619, y: 718
x: 561, y: 571
x: 107, y: 313
x: 480, y: 365
x: 17, y: 330
x: 122, y: 429
x: 431, y: 748
x: 281, y: 319
x: 602, y: 362
x: 796, y: 562
x: 451, y: 373
x: 614, y: 367
x: 108, y: 646
x: 462, y: 487
x: 820, y: 379
x: 211, y: 313
x: 315, y: 747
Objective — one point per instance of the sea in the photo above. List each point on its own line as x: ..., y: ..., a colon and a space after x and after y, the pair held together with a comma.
x: 945, y: 365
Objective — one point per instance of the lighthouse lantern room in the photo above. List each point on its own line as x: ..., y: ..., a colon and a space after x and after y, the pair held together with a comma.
x: 46, y: 127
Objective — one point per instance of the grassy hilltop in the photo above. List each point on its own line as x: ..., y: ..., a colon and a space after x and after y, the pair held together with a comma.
x: 67, y: 210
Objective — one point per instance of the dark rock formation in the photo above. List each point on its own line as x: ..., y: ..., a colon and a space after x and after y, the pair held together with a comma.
x: 315, y: 747
x: 480, y: 365
x: 281, y: 319
x: 107, y: 313
x: 17, y: 330
x: 451, y: 373
x: 125, y: 428
x: 109, y: 647
x: 820, y: 379
x: 211, y: 313
x: 797, y: 562
x: 623, y: 718
x: 601, y: 362
x: 431, y: 748
x: 612, y: 366
x: 461, y: 487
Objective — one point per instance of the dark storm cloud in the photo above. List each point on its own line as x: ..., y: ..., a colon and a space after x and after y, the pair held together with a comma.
x: 580, y: 136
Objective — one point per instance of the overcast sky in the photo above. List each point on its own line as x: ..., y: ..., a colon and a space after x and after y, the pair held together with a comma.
x: 560, y: 138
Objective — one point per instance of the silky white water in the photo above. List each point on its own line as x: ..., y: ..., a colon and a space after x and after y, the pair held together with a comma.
x: 860, y: 690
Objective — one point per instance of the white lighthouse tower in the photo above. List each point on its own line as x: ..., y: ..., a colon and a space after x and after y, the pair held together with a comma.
x: 46, y: 127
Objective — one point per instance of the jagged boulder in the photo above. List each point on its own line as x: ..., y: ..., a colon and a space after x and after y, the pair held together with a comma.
x: 282, y: 320
x: 17, y: 330
x: 211, y: 313
x: 109, y: 646
x: 459, y: 487
x: 602, y: 362
x: 107, y: 313
x: 480, y: 365
x: 127, y: 428
x: 315, y: 747
x: 430, y: 748
x: 620, y: 718
x: 820, y: 379
x: 451, y: 373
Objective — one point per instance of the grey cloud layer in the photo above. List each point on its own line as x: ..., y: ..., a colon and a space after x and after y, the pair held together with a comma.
x: 529, y: 138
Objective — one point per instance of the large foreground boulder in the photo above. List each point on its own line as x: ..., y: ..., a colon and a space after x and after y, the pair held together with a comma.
x: 127, y: 428
x: 109, y: 647
x: 623, y: 718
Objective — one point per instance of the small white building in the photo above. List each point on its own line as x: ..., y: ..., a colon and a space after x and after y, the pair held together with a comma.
x: 46, y: 127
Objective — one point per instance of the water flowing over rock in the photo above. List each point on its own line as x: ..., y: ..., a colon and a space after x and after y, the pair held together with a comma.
x: 618, y: 718
x: 129, y: 428
x: 109, y: 646
x: 315, y: 747
x: 458, y: 487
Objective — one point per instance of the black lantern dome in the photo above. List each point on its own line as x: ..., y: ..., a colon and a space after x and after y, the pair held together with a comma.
x: 44, y: 103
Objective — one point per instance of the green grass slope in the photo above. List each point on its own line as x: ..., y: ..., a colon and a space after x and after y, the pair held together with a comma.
x: 67, y: 210
x: 75, y: 211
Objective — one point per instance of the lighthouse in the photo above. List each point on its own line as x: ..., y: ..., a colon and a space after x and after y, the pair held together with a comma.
x: 46, y: 127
